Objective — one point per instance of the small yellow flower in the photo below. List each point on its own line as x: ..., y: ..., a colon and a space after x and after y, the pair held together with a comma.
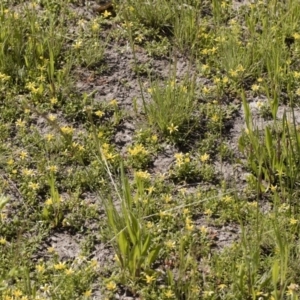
x: 217, y: 80
x: 106, y: 14
x: 149, y: 224
x: 95, y: 27
x: 293, y: 221
x: 296, y: 36
x: 232, y: 22
x: 150, y: 190
x: 179, y: 156
x: 67, y: 130
x: 111, y: 286
x: 17, y: 293
x: 227, y: 199
x: 77, y: 45
x: 51, y: 250
x: 233, y: 73
x: 205, y: 67
x: 253, y: 204
x: 170, y: 244
x: 167, y: 198
x: 2, y: 240
x: 4, y: 77
x: 20, y: 123
x: 225, y: 79
x: 139, y: 38
x: 213, y: 50
x: 23, y: 154
x: 99, y: 113
x: 186, y: 211
x: 298, y: 92
x: 34, y: 186
x: 49, y: 202
x: 162, y: 214
x: 187, y: 159
x: 184, y: 89
x: 154, y: 138
x: 49, y: 137
x: 255, y: 87
x: 138, y: 149
x: 53, y: 100
x: 215, y: 118
x: 149, y: 279
x: 113, y: 102
x: 259, y: 104
x: 10, y: 162
x: 52, y: 117
x: 240, y: 68
x: 208, y: 212
x: 222, y: 286
x: 296, y: 74
x: 110, y: 156
x: 204, y: 157
x: 87, y: 293
x: 60, y: 266
x: 208, y: 293
x: 52, y: 168
x: 69, y: 271
x: 169, y: 294
x: 142, y: 175
x: 203, y: 229
x: 172, y: 128
x: 205, y: 90
x: 189, y: 224
x: 205, y: 51
x: 40, y: 268
x: 27, y: 172
x: 224, y: 4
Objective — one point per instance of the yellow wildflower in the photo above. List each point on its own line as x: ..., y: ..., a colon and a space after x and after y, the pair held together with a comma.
x: 40, y: 268
x: 87, y: 293
x: 172, y: 128
x: 169, y: 294
x: 60, y: 266
x: 23, y: 155
x: 149, y: 279
x: 204, y: 157
x: 111, y: 286
x: 2, y: 240
x: 106, y: 14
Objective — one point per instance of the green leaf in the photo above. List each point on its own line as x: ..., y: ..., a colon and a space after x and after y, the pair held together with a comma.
x: 3, y: 201
x: 146, y: 245
x: 153, y: 255
x: 133, y: 228
x: 136, y: 253
x: 123, y: 243
x: 268, y: 140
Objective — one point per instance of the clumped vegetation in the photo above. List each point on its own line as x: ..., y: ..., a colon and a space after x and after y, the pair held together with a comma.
x: 199, y: 200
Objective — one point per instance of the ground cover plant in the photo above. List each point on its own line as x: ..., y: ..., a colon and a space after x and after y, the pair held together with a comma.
x: 149, y: 149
